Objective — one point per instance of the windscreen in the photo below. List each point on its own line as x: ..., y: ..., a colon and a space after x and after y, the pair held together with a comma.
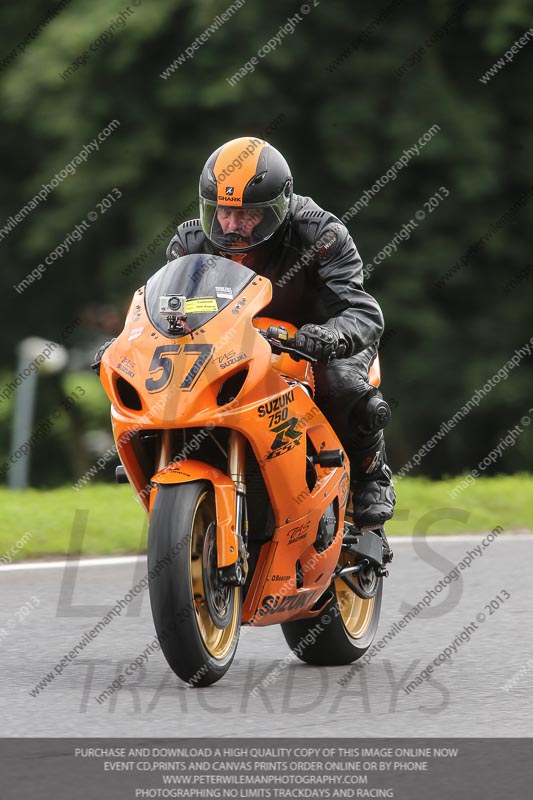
x: 198, y: 286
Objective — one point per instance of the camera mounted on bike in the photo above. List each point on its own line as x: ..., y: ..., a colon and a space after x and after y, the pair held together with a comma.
x: 173, y: 307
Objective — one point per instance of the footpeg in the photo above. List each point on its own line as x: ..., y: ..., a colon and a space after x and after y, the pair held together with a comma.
x: 387, y: 550
x: 329, y: 458
x: 369, y: 543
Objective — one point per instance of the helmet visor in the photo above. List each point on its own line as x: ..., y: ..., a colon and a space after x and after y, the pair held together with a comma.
x: 238, y: 229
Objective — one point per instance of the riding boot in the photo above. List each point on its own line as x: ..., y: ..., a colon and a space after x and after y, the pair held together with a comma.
x: 371, y: 483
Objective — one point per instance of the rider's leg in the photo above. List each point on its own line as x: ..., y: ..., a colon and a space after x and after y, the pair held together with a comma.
x: 356, y: 412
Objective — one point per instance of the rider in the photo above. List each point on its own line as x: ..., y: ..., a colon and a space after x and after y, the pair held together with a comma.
x: 248, y: 213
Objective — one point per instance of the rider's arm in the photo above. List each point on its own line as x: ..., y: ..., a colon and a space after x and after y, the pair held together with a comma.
x: 355, y: 314
x: 188, y: 238
x: 337, y: 270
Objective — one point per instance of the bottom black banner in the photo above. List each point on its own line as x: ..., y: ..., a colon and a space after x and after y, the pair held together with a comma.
x: 406, y: 769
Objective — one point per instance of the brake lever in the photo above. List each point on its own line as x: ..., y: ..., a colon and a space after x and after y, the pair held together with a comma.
x: 278, y: 347
x: 296, y: 355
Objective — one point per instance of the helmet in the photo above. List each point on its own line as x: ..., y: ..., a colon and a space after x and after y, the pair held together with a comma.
x: 245, y: 194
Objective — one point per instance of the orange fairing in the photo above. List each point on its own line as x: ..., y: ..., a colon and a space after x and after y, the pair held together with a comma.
x: 189, y: 470
x: 178, y: 385
x: 374, y: 373
x: 302, y: 370
x: 217, y: 375
x: 276, y: 594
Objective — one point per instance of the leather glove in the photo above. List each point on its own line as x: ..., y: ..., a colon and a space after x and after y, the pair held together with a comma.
x: 319, y: 341
x: 98, y: 355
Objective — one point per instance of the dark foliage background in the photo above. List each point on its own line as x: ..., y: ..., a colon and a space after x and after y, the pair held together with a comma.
x: 329, y: 97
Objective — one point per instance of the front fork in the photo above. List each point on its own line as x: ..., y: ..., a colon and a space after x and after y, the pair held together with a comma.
x: 165, y: 450
x: 227, y: 486
x: 236, y: 573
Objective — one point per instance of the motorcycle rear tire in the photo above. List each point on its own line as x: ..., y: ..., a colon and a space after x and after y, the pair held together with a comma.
x: 196, y: 617
x: 341, y: 633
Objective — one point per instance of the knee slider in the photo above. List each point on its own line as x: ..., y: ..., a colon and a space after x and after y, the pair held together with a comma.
x: 378, y: 413
x: 372, y: 413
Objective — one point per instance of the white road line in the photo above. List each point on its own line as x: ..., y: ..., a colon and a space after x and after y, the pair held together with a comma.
x: 109, y: 561
x: 466, y: 537
x: 82, y: 562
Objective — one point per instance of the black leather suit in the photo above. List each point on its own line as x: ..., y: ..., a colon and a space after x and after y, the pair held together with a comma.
x: 317, y: 277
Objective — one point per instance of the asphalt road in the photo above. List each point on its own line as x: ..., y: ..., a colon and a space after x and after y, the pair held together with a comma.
x: 464, y: 696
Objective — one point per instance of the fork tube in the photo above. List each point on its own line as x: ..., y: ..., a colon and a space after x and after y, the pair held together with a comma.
x: 164, y: 452
x: 236, y: 470
x: 237, y: 459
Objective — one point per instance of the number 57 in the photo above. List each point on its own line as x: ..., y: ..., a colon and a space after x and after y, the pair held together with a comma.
x: 162, y: 362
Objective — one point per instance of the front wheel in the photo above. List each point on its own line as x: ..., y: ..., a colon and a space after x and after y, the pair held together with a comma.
x: 197, y: 617
x: 346, y: 627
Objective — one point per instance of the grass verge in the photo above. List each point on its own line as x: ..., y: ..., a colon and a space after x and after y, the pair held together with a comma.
x: 117, y: 524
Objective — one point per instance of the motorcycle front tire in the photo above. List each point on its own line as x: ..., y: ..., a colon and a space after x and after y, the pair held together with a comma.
x: 197, y: 618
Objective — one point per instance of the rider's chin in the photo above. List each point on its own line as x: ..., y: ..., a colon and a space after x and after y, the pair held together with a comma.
x: 232, y: 240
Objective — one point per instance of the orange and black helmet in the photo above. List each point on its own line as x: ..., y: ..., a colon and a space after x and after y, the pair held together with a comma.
x: 248, y: 182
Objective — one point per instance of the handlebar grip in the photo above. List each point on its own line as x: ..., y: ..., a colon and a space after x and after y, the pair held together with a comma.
x: 280, y: 341
x: 278, y: 332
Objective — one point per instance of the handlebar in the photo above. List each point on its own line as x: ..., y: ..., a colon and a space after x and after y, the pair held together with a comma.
x: 278, y: 338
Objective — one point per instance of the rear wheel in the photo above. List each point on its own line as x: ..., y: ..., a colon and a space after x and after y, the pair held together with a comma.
x: 346, y: 627
x: 196, y: 616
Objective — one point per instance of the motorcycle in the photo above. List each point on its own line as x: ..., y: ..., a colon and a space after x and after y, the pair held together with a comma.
x: 245, y: 482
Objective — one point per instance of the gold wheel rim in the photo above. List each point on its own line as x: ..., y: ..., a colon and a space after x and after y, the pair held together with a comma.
x: 217, y: 638
x: 356, y: 613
